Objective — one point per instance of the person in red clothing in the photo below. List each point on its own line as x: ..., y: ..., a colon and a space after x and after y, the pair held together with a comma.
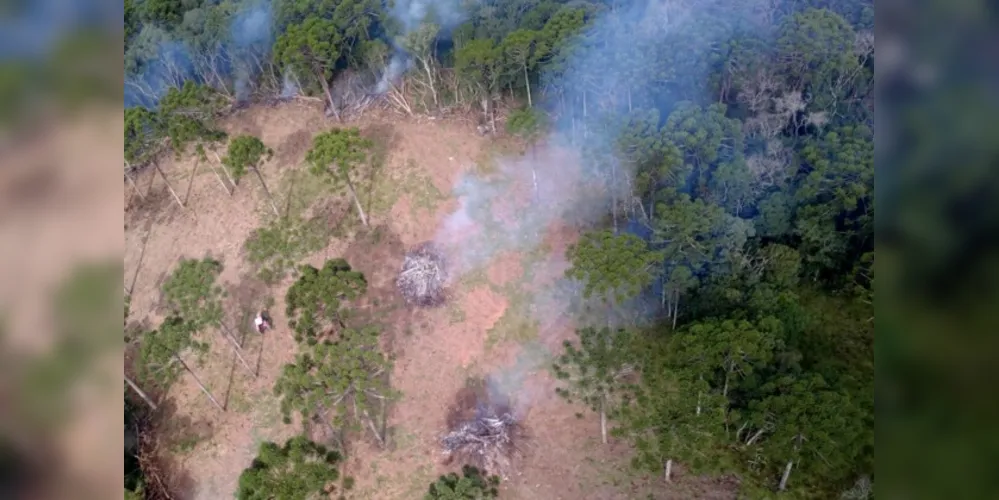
x: 262, y: 322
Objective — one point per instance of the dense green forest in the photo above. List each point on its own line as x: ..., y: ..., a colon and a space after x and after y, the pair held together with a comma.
x: 737, y: 138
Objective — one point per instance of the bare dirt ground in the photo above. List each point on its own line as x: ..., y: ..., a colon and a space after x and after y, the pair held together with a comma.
x: 482, y: 331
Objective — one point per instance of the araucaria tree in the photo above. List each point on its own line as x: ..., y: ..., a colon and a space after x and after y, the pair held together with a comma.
x: 596, y: 370
x: 613, y: 266
x: 315, y: 301
x: 338, y: 381
x: 161, y: 355
x: 311, y: 47
x: 472, y: 484
x: 300, y: 469
x: 336, y: 155
x: 192, y: 293
x: 248, y: 153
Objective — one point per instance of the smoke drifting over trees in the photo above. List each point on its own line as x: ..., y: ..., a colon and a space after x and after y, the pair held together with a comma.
x: 717, y: 156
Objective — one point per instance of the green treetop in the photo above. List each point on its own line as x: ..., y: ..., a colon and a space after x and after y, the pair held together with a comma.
x: 336, y: 155
x: 315, y: 300
x: 470, y: 485
x: 300, y: 469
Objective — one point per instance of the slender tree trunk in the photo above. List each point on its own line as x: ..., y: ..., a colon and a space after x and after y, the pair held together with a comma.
x: 156, y: 165
x: 371, y: 424
x: 669, y: 471
x: 267, y: 191
x: 728, y: 374
x: 200, y: 384
x: 603, y: 422
x: 329, y: 96
x: 629, y: 99
x: 357, y: 201
x: 226, y: 170
x: 142, y: 394
x: 676, y: 308
x: 219, y: 177
x: 132, y: 181
x: 614, y: 194
x: 585, y: 116
x: 699, y: 398
x: 492, y: 114
x: 787, y: 474
x: 527, y: 85
x: 190, y: 184
x: 236, y: 351
x: 754, y: 437
x: 430, y: 79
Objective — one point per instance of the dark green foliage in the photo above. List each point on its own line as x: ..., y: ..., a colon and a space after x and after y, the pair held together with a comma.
x: 616, y: 266
x: 470, y: 485
x: 162, y: 12
x: 315, y: 301
x: 338, y: 153
x: 275, y: 248
x: 142, y: 133
x: 191, y: 293
x: 339, y: 381
x: 161, y: 348
x: 187, y: 116
x: 835, y: 213
x: 479, y: 62
x: 300, y: 469
x: 245, y: 153
x: 310, y: 48
x: 528, y: 123
x: 598, y: 369
x: 805, y: 421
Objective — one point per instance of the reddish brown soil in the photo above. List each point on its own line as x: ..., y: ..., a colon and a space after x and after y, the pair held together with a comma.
x: 505, y: 268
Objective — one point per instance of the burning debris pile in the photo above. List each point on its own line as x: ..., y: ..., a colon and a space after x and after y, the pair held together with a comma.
x: 423, y: 276
x: 487, y: 437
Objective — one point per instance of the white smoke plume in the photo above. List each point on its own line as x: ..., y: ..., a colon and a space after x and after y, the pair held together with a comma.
x: 410, y: 14
x: 572, y: 177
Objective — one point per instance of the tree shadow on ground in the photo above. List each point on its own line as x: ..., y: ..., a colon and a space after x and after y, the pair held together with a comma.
x: 378, y: 252
x: 174, y: 437
x: 385, y: 138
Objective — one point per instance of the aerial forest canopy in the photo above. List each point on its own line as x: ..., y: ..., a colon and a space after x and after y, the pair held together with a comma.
x: 736, y: 138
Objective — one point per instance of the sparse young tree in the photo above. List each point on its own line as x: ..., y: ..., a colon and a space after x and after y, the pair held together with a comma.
x: 247, y: 153
x: 143, y: 142
x: 312, y: 47
x: 478, y: 65
x: 300, y: 469
x: 615, y: 266
x: 161, y: 354
x: 596, y: 371
x: 528, y: 124
x: 519, y: 51
x: 187, y: 119
x: 338, y: 381
x: 472, y: 484
x: 337, y: 154
x: 192, y: 293
x: 315, y: 300
x: 420, y: 43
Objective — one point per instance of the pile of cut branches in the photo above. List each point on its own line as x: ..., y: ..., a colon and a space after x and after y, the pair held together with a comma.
x: 423, y: 276
x: 488, y: 440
